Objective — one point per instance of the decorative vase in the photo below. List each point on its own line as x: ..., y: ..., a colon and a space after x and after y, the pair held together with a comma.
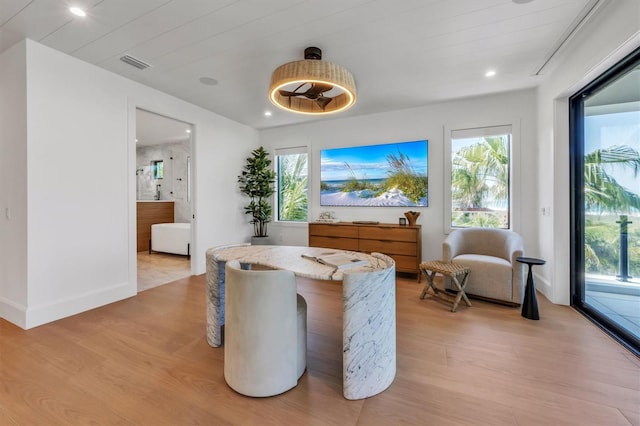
x: 412, y: 217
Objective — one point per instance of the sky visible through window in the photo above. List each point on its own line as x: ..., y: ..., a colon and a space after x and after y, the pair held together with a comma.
x: 607, y: 130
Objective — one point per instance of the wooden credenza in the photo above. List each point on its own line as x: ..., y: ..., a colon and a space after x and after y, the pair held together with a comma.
x: 150, y: 213
x: 402, y: 243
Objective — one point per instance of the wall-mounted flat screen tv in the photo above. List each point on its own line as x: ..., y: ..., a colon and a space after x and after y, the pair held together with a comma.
x: 387, y: 175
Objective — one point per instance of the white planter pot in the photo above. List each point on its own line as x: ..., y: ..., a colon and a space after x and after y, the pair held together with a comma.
x: 261, y: 241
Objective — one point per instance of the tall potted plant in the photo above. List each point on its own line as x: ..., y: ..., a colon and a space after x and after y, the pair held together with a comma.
x: 256, y: 181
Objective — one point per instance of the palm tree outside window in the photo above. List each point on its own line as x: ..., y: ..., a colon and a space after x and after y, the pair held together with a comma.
x: 292, y: 181
x: 480, y: 178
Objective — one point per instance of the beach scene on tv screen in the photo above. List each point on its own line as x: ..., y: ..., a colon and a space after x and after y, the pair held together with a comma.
x: 386, y: 175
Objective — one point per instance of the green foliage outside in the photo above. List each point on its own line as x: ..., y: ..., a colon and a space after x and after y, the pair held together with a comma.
x: 602, y: 245
x: 464, y: 219
x: 478, y: 172
x: 602, y: 193
x: 605, y: 200
x: 292, y: 182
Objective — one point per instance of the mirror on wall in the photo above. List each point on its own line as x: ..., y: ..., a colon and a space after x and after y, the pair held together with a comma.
x: 157, y: 166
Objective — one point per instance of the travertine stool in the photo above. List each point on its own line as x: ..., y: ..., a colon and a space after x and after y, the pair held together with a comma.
x: 301, y: 363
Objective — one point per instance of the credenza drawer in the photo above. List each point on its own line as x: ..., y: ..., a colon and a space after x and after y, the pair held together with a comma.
x: 333, y: 230
x: 385, y: 233
x: 388, y: 247
x: 404, y: 263
x: 334, y: 242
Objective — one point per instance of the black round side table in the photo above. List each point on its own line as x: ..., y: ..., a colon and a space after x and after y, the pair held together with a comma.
x: 530, y: 303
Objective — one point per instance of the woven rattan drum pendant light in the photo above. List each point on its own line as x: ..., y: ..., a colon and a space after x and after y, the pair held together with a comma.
x: 312, y: 86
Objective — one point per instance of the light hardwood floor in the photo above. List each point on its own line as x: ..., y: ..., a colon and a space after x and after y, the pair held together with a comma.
x: 161, y: 268
x: 145, y: 361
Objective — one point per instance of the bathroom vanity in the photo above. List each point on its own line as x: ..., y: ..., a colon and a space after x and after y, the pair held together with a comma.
x: 150, y: 212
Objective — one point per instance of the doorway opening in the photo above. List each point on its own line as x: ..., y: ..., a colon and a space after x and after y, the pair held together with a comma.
x: 163, y: 199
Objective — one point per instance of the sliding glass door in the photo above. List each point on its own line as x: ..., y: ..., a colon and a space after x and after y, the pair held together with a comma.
x: 605, y: 164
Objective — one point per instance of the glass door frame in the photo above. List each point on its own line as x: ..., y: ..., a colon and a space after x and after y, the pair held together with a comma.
x: 576, y: 166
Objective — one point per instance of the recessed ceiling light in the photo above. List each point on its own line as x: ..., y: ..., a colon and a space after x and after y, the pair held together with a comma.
x: 208, y: 81
x: 490, y: 73
x: 267, y: 113
x: 77, y: 11
x: 188, y: 130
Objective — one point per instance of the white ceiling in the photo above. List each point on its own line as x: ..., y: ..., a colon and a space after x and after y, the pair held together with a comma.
x: 403, y: 53
x: 154, y: 129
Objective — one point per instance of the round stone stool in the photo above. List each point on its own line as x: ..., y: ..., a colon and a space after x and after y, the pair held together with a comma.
x: 302, y: 336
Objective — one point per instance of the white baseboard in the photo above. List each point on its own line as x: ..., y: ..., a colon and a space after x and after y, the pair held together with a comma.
x: 13, y: 312
x: 543, y: 286
x: 62, y: 308
x: 201, y: 267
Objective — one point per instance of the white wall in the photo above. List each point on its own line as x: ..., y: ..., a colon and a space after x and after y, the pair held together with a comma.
x: 77, y: 187
x: 81, y: 250
x: 427, y: 122
x: 13, y: 184
x: 611, y: 34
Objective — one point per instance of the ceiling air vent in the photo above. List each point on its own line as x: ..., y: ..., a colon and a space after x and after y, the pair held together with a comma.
x: 134, y: 62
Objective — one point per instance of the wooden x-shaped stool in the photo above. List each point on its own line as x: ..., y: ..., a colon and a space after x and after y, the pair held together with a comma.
x: 451, y: 270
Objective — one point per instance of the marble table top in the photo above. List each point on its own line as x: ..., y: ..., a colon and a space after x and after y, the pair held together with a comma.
x: 290, y: 258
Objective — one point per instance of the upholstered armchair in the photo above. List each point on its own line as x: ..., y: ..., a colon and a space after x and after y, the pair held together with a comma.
x: 491, y: 255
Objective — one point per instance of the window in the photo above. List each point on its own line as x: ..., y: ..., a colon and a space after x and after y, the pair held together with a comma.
x: 291, y: 175
x: 479, y: 175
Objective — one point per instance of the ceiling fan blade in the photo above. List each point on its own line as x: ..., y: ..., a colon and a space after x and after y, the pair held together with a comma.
x: 288, y: 93
x: 294, y: 93
x: 323, y: 101
x: 317, y: 89
x: 314, y: 92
